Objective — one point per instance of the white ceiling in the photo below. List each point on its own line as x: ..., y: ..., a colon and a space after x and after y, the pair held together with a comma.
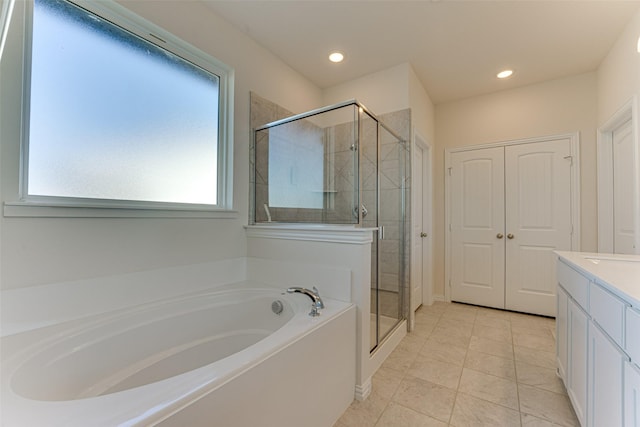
x: 455, y: 47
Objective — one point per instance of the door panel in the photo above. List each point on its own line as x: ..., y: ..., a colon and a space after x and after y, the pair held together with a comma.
x: 538, y: 222
x: 477, y: 218
x: 623, y: 190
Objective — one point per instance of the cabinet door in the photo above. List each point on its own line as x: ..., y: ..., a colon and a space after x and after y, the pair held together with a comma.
x: 561, y: 334
x: 632, y: 337
x: 631, y: 395
x: 605, y: 380
x: 477, y: 227
x: 578, y: 326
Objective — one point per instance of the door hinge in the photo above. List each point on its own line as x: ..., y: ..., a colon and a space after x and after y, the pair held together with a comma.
x: 450, y: 228
x: 450, y: 168
x: 570, y: 158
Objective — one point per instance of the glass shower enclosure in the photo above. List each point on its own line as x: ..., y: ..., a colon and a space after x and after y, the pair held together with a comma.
x: 340, y: 165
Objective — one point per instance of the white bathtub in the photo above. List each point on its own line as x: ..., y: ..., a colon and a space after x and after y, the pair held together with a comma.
x: 220, y: 358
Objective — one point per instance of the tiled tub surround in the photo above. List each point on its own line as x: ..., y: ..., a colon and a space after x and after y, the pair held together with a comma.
x: 174, y: 389
x: 468, y: 366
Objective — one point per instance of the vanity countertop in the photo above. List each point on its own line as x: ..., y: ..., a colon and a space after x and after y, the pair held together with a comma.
x: 620, y: 274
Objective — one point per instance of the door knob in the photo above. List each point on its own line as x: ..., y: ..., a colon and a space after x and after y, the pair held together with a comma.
x: 509, y: 236
x: 500, y: 235
x: 423, y: 234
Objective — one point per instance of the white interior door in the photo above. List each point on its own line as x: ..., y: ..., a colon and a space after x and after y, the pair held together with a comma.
x: 623, y: 190
x: 477, y: 227
x: 418, y: 229
x: 538, y: 221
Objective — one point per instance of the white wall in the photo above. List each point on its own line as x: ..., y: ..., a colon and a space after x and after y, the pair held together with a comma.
x: 44, y: 250
x: 422, y: 109
x: 554, y: 107
x: 389, y: 90
x: 619, y: 72
x: 382, y: 92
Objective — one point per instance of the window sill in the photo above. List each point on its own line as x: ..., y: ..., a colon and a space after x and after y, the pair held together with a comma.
x: 52, y: 210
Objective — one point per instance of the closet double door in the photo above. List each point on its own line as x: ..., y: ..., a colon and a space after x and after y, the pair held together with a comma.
x: 510, y: 208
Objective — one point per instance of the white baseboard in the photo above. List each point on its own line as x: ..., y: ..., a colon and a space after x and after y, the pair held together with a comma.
x: 363, y: 391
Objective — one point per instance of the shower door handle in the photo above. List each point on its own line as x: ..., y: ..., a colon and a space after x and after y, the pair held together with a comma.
x: 364, y: 211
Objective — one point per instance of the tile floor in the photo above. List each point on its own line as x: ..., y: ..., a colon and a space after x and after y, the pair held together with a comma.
x: 468, y: 366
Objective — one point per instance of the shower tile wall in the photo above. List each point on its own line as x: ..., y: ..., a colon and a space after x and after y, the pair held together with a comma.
x: 262, y: 112
x: 298, y: 135
x: 341, y: 172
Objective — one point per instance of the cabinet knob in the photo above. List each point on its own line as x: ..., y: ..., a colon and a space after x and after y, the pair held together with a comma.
x: 423, y: 234
x: 510, y: 236
x: 500, y: 235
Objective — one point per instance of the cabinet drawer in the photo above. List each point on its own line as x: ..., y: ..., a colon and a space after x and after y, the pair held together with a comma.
x: 576, y: 285
x: 632, y: 333
x: 608, y: 311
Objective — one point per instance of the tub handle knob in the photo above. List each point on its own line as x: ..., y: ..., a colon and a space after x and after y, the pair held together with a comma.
x: 320, y: 303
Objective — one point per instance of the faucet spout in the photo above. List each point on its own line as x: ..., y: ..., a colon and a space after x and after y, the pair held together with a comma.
x: 316, y: 301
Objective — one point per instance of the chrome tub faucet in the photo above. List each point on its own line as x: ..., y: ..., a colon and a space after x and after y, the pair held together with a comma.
x: 316, y: 304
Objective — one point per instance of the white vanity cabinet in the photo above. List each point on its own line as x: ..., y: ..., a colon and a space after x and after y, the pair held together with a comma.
x: 598, y: 336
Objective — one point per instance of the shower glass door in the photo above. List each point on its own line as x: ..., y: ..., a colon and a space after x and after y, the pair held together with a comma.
x: 382, y: 161
x: 368, y: 148
x: 391, y: 200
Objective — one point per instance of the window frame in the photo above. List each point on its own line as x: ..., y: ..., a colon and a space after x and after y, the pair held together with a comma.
x: 33, y: 205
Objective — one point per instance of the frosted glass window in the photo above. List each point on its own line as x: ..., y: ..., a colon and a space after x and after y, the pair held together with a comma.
x: 115, y: 117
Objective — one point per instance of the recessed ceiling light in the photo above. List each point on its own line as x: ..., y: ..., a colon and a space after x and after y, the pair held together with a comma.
x: 336, y: 57
x: 504, y: 74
